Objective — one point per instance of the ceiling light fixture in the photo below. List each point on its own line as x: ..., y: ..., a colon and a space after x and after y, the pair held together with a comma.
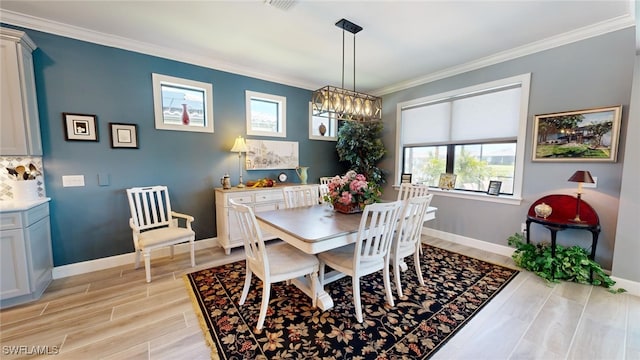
x: 339, y: 103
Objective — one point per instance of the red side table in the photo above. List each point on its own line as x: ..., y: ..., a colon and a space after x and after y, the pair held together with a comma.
x: 562, y: 217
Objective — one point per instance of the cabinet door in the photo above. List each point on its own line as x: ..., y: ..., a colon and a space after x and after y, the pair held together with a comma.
x: 235, y: 235
x: 38, y: 242
x: 13, y: 263
x: 13, y: 137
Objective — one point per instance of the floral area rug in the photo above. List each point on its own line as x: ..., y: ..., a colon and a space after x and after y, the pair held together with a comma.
x: 457, y: 287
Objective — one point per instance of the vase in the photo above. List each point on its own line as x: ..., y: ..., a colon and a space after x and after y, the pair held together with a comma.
x: 542, y: 210
x: 302, y: 173
x: 323, y: 129
x: 185, y: 115
x: 351, y: 208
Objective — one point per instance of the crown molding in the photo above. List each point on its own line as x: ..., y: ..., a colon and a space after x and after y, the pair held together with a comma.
x: 78, y: 33
x: 597, y: 29
x: 83, y: 34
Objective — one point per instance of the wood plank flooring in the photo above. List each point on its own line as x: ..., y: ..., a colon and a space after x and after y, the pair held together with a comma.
x: 115, y: 314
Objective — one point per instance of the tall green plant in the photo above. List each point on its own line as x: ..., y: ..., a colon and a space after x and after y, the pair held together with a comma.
x: 360, y: 145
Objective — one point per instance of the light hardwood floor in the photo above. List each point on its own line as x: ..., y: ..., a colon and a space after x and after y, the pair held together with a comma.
x: 115, y: 314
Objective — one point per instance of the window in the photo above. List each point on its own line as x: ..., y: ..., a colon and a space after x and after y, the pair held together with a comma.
x: 266, y: 114
x: 321, y: 128
x: 477, y: 133
x: 181, y: 104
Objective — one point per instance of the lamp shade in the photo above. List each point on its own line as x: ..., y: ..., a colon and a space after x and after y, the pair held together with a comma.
x: 239, y: 146
x: 581, y: 176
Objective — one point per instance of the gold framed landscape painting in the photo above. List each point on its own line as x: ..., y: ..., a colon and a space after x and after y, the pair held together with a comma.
x: 578, y: 136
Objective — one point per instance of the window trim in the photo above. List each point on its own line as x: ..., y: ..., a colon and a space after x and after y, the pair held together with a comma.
x: 525, y: 81
x: 282, y: 107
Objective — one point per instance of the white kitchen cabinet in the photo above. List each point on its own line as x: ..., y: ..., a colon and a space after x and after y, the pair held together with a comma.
x: 19, y: 120
x: 259, y: 199
x: 25, y: 254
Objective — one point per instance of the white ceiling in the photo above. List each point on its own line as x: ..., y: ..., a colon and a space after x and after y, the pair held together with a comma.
x: 403, y: 43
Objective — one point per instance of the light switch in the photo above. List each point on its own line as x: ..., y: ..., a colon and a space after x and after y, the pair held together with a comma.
x: 104, y: 179
x: 72, y: 180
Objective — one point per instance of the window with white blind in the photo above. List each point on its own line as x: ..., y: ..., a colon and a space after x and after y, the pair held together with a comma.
x: 477, y: 133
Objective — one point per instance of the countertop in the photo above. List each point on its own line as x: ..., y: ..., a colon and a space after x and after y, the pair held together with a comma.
x: 249, y: 188
x: 10, y: 205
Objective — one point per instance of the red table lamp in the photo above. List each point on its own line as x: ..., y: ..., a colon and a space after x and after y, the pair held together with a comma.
x: 581, y: 177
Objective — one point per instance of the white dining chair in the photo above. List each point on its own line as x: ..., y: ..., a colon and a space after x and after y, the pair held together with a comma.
x: 408, y: 191
x: 155, y: 225
x: 370, y: 252
x: 300, y: 195
x: 272, y: 264
x: 323, y: 189
x: 324, y: 180
x: 406, y: 241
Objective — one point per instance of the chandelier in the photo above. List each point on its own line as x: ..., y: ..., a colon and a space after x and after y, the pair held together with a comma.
x: 339, y: 103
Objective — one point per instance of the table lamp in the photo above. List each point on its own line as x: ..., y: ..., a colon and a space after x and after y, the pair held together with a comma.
x: 580, y: 176
x: 240, y: 147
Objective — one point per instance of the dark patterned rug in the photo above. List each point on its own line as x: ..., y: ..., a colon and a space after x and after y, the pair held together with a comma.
x: 457, y: 287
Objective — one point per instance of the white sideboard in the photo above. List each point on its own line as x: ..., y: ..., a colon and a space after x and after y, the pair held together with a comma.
x: 25, y: 253
x: 259, y: 199
x: 19, y: 120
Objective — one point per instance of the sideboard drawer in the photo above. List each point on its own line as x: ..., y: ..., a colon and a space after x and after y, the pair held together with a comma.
x: 269, y: 196
x: 241, y: 198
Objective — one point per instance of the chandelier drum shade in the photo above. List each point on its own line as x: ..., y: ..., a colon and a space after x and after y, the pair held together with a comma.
x: 332, y: 102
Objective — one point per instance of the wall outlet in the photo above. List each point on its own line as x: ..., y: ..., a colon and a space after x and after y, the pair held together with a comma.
x: 523, y: 228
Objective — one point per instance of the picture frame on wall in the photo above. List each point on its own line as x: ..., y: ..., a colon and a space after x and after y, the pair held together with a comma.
x: 80, y: 127
x: 494, y: 187
x: 124, y: 135
x: 589, y: 135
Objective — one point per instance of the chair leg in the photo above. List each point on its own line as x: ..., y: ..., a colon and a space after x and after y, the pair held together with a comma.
x: 137, y: 264
x: 356, y: 298
x: 266, y: 289
x: 147, y: 264
x: 245, y: 289
x: 314, y: 288
x: 193, y: 253
x: 396, y: 275
x: 387, y: 284
x: 416, y: 260
x: 321, y: 274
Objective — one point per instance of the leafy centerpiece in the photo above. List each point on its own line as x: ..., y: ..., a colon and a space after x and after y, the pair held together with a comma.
x: 351, y: 193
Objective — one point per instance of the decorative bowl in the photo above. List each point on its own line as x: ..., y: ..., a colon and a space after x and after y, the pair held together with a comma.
x: 542, y: 210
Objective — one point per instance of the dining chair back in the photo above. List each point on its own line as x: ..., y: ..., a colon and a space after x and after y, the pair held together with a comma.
x: 408, y: 191
x: 300, y: 195
x: 407, y: 240
x: 273, y: 263
x: 323, y: 189
x: 369, y: 253
x: 325, y: 179
x: 155, y: 225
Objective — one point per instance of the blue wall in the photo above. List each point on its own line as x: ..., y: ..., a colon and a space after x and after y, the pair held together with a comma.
x: 92, y: 222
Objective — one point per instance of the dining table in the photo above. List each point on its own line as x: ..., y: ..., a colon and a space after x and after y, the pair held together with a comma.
x: 314, y: 229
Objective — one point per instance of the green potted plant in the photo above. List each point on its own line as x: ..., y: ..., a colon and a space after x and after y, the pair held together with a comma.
x: 360, y: 145
x: 571, y: 263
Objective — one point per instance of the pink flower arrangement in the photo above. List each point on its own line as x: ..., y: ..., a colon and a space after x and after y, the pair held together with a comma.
x: 352, y: 188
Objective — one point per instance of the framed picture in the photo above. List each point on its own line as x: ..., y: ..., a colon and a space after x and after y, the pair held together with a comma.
x: 79, y: 127
x: 181, y: 104
x: 578, y: 136
x: 494, y: 187
x: 405, y: 178
x: 124, y: 135
x: 267, y: 154
x: 447, y: 181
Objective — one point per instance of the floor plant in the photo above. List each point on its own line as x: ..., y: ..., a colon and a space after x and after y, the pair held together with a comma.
x: 571, y: 263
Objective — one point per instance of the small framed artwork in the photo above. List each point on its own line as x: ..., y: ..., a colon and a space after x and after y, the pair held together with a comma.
x: 494, y: 187
x: 578, y: 136
x: 80, y: 127
x: 405, y: 179
x: 124, y: 135
x: 447, y: 181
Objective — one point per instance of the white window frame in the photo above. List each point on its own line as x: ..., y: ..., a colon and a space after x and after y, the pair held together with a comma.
x: 159, y: 80
x: 282, y: 111
x: 525, y: 81
x: 332, y: 123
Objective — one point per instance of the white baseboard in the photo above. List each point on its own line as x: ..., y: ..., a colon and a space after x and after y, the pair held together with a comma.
x: 471, y: 242
x: 632, y: 287
x: 124, y: 259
